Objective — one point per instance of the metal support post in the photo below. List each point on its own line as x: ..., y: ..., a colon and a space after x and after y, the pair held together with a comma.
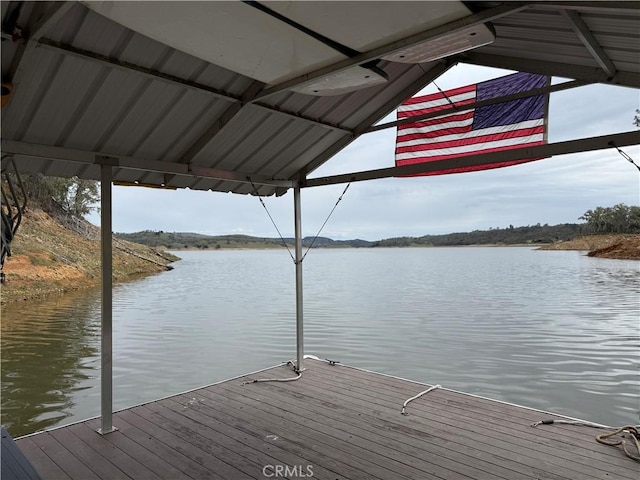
x: 106, y: 376
x: 299, y: 310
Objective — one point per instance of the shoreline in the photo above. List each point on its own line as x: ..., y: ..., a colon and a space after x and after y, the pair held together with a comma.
x: 69, y: 261
x: 50, y: 259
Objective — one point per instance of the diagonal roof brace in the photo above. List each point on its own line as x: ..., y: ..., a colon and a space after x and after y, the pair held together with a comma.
x: 589, y: 40
x: 39, y: 24
x: 578, y: 72
x: 46, y: 152
x: 67, y: 49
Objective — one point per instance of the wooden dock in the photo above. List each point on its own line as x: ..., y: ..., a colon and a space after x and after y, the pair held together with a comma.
x: 335, y: 422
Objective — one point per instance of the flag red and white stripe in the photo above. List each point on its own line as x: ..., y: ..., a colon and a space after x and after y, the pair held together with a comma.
x: 502, y: 126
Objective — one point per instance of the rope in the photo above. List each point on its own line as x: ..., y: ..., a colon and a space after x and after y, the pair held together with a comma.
x: 404, y: 405
x: 560, y: 421
x: 255, y: 191
x: 295, y: 369
x: 624, y: 155
x: 630, y: 429
x: 327, y: 219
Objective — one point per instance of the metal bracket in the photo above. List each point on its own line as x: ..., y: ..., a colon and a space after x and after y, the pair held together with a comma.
x: 105, y: 432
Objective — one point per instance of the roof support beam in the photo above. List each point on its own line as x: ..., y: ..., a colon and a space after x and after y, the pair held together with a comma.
x: 586, y: 74
x: 560, y: 148
x: 215, y: 128
x: 39, y: 23
x: 376, y: 53
x: 586, y: 37
x: 429, y: 76
x: 483, y: 103
x: 46, y: 152
x: 613, y: 6
x: 174, y: 80
x: 434, y: 72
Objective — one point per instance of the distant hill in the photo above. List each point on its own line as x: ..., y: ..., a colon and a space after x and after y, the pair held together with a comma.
x: 536, y: 234
x: 187, y: 240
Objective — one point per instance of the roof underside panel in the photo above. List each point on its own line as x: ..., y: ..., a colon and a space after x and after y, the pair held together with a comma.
x: 86, y: 87
x: 547, y: 34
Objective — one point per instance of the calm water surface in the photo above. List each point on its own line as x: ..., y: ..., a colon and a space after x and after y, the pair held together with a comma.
x: 552, y: 330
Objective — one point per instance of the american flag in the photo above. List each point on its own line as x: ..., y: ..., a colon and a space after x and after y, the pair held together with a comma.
x: 492, y: 128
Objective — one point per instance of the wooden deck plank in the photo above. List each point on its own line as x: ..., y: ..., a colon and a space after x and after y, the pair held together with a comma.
x: 90, y: 457
x: 390, y: 437
x: 343, y: 422
x: 126, y: 454
x: 580, y: 440
x: 577, y: 432
x: 259, y: 451
x: 518, y: 433
x: 64, y: 458
x: 45, y: 467
x: 352, y: 376
x: 190, y: 460
x: 378, y: 440
x: 317, y: 437
x: 261, y: 448
x: 304, y: 443
x: 207, y: 439
x: 483, y: 458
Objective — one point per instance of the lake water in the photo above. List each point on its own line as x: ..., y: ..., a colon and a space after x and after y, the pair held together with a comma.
x: 553, y: 330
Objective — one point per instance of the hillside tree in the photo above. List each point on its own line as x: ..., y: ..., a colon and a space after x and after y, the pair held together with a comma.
x: 74, y: 195
x: 617, y: 219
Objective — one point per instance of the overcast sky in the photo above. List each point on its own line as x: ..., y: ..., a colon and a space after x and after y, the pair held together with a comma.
x: 555, y: 190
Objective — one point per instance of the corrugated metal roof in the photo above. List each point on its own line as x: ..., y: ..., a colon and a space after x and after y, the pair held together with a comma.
x: 87, y: 87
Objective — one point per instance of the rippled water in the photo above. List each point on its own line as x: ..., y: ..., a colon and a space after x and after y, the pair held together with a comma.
x: 552, y: 330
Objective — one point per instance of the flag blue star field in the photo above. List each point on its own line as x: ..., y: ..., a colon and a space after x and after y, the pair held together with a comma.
x: 492, y: 128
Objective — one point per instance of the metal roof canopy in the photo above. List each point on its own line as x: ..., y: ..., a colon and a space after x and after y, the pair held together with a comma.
x: 273, y: 97
x: 89, y: 91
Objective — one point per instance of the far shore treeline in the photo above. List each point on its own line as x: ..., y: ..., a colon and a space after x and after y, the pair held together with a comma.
x: 617, y: 219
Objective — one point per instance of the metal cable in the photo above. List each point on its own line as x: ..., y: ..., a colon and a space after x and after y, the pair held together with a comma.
x: 624, y: 155
x: 325, y: 222
x: 255, y: 190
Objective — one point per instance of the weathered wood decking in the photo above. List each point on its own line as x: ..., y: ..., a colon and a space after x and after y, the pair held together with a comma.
x: 334, y: 423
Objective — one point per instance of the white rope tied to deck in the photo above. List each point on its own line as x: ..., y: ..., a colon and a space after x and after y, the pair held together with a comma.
x: 560, y: 421
x: 632, y: 431
x: 404, y: 406
x: 295, y: 369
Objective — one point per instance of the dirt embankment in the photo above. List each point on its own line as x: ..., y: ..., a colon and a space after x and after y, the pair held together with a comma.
x: 620, y: 246
x: 49, y: 258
